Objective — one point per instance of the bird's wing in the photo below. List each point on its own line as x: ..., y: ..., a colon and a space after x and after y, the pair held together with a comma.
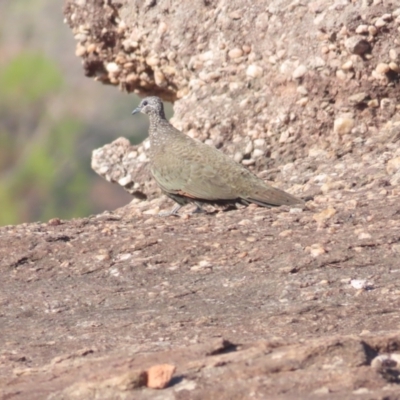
x: 200, y: 172
x: 193, y: 179
x: 208, y: 183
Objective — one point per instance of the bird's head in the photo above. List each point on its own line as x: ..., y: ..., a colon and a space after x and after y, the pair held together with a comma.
x: 150, y: 106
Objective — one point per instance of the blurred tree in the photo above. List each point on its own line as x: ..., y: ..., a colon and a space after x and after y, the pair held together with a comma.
x: 37, y: 177
x: 51, y: 119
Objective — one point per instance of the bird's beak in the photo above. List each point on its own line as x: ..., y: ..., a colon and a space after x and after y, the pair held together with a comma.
x: 136, y: 110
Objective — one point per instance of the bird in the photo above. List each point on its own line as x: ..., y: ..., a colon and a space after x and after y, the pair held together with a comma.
x: 190, y: 171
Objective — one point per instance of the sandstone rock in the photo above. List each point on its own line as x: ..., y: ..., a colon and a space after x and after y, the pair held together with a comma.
x: 159, y: 376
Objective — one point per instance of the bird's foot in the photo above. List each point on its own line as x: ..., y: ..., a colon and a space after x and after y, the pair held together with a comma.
x: 173, y: 212
x: 198, y: 210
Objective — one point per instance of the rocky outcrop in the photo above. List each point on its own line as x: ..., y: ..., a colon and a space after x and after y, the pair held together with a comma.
x: 270, y: 83
x: 280, y: 71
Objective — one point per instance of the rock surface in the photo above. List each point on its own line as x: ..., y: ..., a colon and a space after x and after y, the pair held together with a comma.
x: 253, y: 303
x: 250, y: 303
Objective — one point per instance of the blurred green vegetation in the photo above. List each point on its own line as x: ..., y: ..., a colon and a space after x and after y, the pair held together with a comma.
x: 38, y: 179
x: 51, y: 119
x: 28, y: 78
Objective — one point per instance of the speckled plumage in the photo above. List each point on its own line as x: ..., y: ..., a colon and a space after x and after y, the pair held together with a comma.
x: 189, y: 171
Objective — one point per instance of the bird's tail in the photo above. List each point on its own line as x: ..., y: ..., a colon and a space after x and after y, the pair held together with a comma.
x: 272, y: 197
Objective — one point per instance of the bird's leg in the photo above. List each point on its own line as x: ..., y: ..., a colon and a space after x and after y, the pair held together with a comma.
x: 174, y: 212
x: 198, y: 209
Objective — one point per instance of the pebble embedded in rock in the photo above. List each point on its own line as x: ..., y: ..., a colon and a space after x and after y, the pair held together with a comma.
x: 207, y: 56
x: 302, y: 102
x: 257, y: 153
x: 347, y: 65
x: 361, y: 284
x: 235, y: 53
x: 364, y: 235
x: 316, y: 250
x: 246, y: 48
x: 284, y: 136
x: 343, y: 125
x: 254, y: 71
x: 324, y: 49
x: 374, y: 103
x: 238, y: 157
x: 159, y: 78
x: 384, y: 361
x: 393, y: 54
x: 249, y: 148
x: 152, y: 61
x: 362, y: 29
x: 373, y: 31
x: 248, y: 162
x: 358, y: 98
x: 394, y: 67
x: 80, y: 50
x: 393, y: 165
x: 162, y: 28
x: 302, y: 90
x: 341, y: 74
x: 382, y: 68
x: 259, y: 142
x: 299, y: 72
x: 112, y: 67
x: 357, y: 45
x: 103, y: 256
x: 125, y: 180
x: 388, y: 105
x: 379, y: 23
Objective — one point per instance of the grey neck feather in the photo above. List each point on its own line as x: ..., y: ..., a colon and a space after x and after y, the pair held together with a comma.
x: 158, y: 124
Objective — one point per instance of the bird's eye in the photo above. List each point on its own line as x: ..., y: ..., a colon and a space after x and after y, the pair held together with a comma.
x: 145, y: 103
